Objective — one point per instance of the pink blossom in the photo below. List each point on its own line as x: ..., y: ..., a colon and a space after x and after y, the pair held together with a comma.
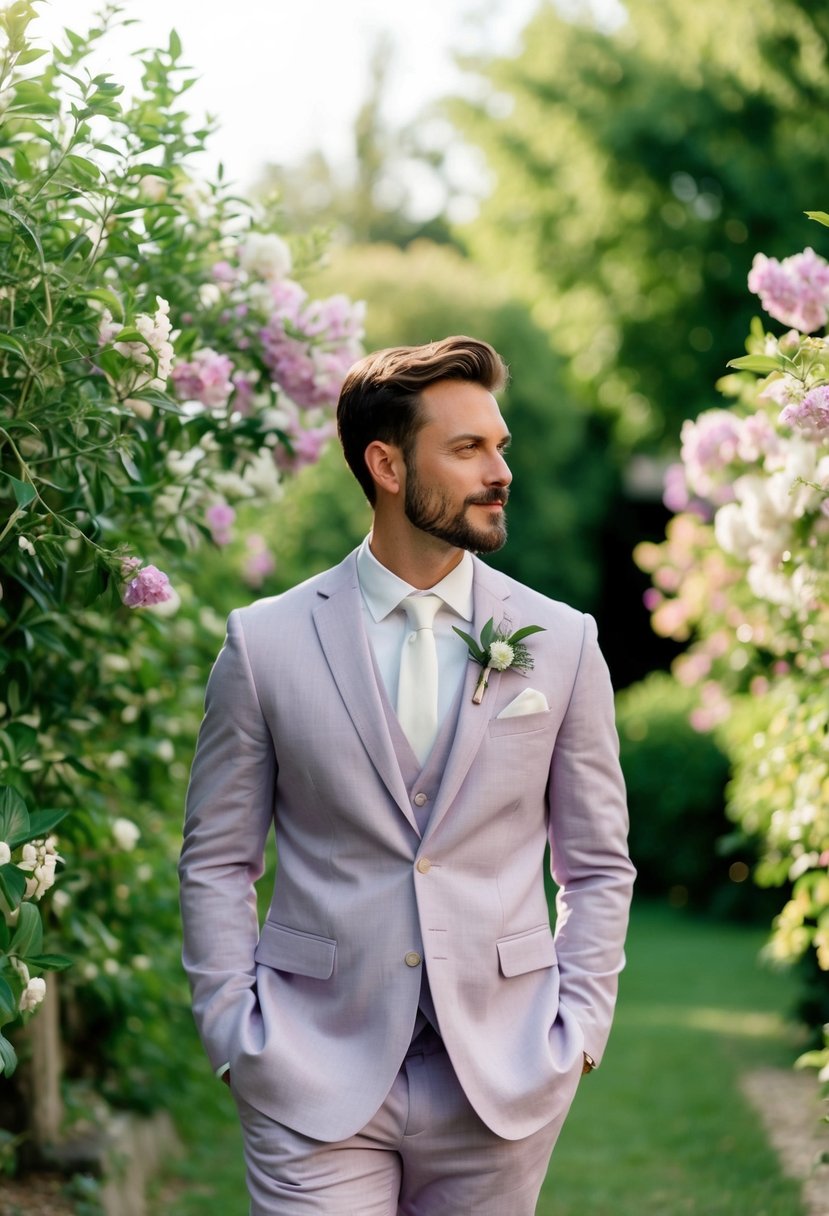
x: 811, y: 414
x: 310, y: 347
x: 220, y: 518
x: 307, y: 444
x: 676, y: 496
x: 206, y: 378
x: 223, y: 272
x: 794, y: 291
x: 709, y: 447
x: 243, y: 385
x: 150, y: 586
x: 757, y: 438
x: 652, y: 599
x: 260, y: 561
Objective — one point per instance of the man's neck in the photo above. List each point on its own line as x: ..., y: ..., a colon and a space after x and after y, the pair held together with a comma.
x: 416, y: 557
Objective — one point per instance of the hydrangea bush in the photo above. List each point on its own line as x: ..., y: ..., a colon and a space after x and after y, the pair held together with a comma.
x: 160, y: 364
x: 744, y: 576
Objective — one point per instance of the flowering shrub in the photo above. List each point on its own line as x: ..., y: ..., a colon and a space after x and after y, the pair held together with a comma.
x: 744, y: 572
x: 158, y: 364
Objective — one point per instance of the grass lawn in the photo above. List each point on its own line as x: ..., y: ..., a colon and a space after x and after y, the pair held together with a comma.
x: 660, y: 1130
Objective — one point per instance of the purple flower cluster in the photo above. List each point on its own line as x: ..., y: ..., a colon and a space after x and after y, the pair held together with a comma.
x: 713, y: 445
x: 150, y: 586
x: 794, y: 291
x: 811, y: 414
x: 220, y: 518
x: 205, y: 378
x: 309, y: 346
x: 308, y: 444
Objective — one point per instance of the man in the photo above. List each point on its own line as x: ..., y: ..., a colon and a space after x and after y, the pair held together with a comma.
x: 406, y: 1034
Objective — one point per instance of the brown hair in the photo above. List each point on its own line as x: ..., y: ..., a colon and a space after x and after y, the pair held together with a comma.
x: 380, y: 398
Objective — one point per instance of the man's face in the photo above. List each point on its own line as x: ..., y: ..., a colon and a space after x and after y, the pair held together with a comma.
x: 456, y: 476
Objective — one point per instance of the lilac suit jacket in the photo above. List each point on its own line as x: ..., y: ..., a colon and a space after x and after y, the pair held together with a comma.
x: 315, y: 1013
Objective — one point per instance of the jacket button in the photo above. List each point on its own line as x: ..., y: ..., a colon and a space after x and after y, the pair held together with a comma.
x: 412, y: 959
x: 424, y: 865
x: 421, y: 799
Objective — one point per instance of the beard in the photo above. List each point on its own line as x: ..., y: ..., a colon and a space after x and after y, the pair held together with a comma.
x: 432, y: 512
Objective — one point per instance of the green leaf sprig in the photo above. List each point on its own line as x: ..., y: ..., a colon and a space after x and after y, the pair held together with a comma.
x: 499, y: 651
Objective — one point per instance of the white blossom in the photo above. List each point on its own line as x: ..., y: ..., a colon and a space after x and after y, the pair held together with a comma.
x: 501, y: 655
x: 265, y: 255
x: 125, y: 834
x: 5, y: 853
x: 39, y: 858
x: 32, y: 995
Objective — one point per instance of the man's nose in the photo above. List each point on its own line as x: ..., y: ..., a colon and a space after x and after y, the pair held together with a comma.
x: 500, y: 473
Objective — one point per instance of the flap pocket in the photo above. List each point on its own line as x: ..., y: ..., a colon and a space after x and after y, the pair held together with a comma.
x: 528, y: 951
x: 300, y: 953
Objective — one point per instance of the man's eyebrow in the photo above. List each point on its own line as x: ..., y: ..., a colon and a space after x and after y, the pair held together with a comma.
x: 477, y: 438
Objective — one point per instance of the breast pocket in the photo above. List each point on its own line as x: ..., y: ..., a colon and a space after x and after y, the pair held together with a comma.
x: 521, y: 724
x: 299, y: 953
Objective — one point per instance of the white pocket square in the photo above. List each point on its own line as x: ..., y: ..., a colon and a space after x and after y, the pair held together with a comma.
x: 530, y: 701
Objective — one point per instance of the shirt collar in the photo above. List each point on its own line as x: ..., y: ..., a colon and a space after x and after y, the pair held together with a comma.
x: 382, y: 590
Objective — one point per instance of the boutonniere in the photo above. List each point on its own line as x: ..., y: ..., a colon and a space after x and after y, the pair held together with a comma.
x: 498, y: 651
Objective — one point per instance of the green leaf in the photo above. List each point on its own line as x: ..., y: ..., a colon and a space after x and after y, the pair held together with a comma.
x: 822, y: 217
x: 24, y: 491
x: 756, y: 363
x: 520, y: 634
x: 7, y: 342
x: 12, y: 884
x: 22, y: 165
x: 488, y: 634
x: 14, y: 814
x: 85, y: 169
x: 49, y: 962
x: 41, y: 824
x: 31, y: 96
x: 30, y: 232
x: 8, y: 1057
x: 28, y: 937
x: 110, y: 299
x: 174, y: 47
x: 471, y: 643
x: 29, y: 56
x: 130, y: 467
x: 5, y: 935
x: 8, y: 1004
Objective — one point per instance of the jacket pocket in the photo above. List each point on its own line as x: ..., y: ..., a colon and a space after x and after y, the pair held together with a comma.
x: 300, y: 953
x: 528, y: 951
x: 520, y: 724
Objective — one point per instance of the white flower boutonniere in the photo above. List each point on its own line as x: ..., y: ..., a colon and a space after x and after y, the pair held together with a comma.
x: 498, y: 651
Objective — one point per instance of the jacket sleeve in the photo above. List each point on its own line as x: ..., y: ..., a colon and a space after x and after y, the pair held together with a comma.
x: 588, y: 842
x: 228, y: 814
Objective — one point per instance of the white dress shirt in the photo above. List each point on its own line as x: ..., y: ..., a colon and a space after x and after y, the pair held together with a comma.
x: 387, y: 626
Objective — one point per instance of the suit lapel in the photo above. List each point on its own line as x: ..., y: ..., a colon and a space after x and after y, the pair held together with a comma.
x: 339, y: 622
x: 490, y: 592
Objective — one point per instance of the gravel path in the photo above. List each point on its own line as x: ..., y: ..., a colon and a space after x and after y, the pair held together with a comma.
x: 791, y: 1109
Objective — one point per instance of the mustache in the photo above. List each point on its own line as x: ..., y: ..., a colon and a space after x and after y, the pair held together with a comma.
x: 500, y: 496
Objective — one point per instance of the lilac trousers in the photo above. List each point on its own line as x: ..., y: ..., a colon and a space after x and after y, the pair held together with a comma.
x: 425, y: 1153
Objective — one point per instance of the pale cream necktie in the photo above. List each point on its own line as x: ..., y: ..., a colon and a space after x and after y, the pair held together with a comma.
x: 417, y: 688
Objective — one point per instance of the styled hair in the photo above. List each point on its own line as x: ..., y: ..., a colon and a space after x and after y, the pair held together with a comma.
x: 380, y: 399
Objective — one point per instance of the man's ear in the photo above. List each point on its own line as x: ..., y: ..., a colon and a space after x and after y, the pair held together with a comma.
x: 386, y: 465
